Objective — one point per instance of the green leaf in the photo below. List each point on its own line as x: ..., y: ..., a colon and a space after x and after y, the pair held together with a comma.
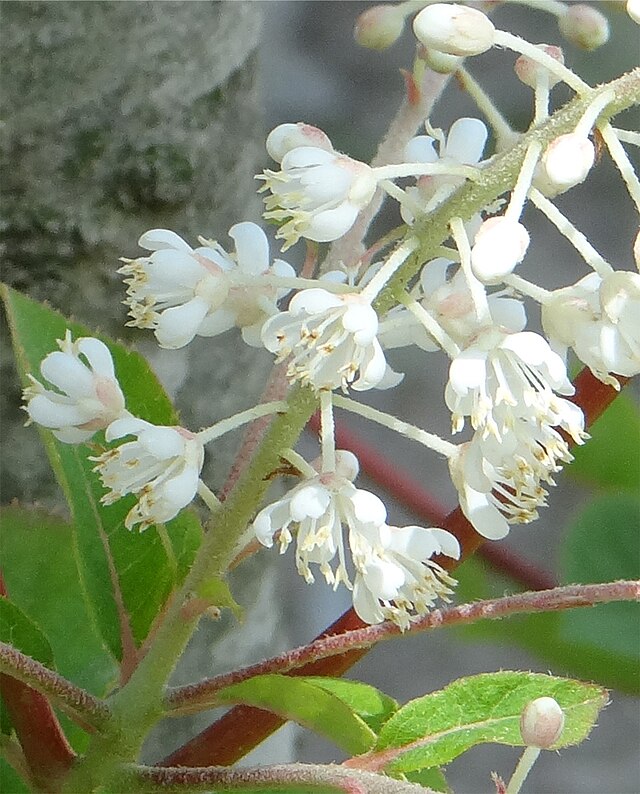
x: 10, y: 781
x: 20, y: 631
x: 40, y: 570
x: 436, y: 728
x: 217, y: 592
x: 371, y: 705
x: 602, y: 546
x: 611, y: 457
x: 115, y: 566
x: 432, y: 778
x: 304, y: 702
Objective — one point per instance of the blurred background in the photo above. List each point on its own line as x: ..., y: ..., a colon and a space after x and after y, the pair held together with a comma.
x: 127, y: 116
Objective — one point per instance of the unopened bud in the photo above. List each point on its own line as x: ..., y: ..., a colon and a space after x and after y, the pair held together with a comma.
x: 567, y: 161
x: 500, y: 244
x: 583, y: 26
x: 454, y: 29
x: 541, y: 723
x: 528, y: 69
x: 633, y: 9
x: 289, y: 136
x: 379, y: 27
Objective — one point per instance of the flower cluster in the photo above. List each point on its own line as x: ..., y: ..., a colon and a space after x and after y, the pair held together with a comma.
x: 394, y: 576
x: 463, y: 296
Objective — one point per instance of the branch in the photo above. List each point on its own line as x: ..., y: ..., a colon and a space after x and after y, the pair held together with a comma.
x: 243, y: 727
x: 202, y: 695
x: 314, y: 777
x: 77, y: 702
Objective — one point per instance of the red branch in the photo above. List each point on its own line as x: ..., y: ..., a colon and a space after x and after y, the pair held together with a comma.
x: 243, y: 727
x: 46, y: 750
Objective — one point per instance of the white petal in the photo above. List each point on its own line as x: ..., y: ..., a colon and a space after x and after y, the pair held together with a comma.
x: 466, y: 141
x: 366, y: 606
x: 384, y: 579
x: 177, y: 326
x: 485, y: 518
x: 162, y: 442
x: 159, y: 239
x: 306, y: 156
x: 98, y: 355
x: 332, y: 224
x: 68, y: 374
x: 468, y: 370
x: 48, y: 413
x: 314, y: 301
x: 449, y: 544
x: 217, y: 322
x: 368, y: 508
x: 310, y: 501
x: 179, y: 491
x: 127, y: 426
x: 421, y: 149
x: 252, y: 247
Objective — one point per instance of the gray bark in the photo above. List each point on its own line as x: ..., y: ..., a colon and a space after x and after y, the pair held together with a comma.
x: 121, y: 117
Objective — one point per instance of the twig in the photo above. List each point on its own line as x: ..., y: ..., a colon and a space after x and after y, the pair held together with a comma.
x: 77, y: 702
x: 243, y: 727
x: 314, y: 777
x: 202, y: 694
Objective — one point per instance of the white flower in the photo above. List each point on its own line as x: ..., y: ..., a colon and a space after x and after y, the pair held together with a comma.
x: 394, y: 576
x: 316, y: 511
x: 331, y: 339
x: 464, y: 145
x: 318, y: 192
x: 599, y: 320
x: 396, y: 579
x: 161, y: 467
x: 182, y: 292
x: 448, y: 300
x: 454, y: 29
x: 517, y: 370
x: 530, y: 71
x: 88, y: 396
x: 500, y: 244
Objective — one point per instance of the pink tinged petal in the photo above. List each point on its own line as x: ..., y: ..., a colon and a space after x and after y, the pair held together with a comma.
x: 177, y: 326
x: 49, y: 413
x: 252, y: 247
x: 217, y: 322
x: 368, y: 508
x: 311, y: 501
x: 160, y: 239
x: 421, y: 149
x: 314, y: 301
x: 485, y: 518
x: 98, y: 355
x: 466, y: 140
x: 68, y: 373
x: 331, y: 224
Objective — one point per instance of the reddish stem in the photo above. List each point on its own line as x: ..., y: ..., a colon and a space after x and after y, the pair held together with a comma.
x: 46, y: 750
x: 243, y: 728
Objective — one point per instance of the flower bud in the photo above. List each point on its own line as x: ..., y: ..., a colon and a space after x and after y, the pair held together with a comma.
x: 567, y: 161
x: 499, y: 245
x: 528, y: 69
x: 541, y: 723
x: 454, y: 29
x: 290, y: 136
x: 583, y: 26
x: 633, y: 9
x: 379, y: 27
